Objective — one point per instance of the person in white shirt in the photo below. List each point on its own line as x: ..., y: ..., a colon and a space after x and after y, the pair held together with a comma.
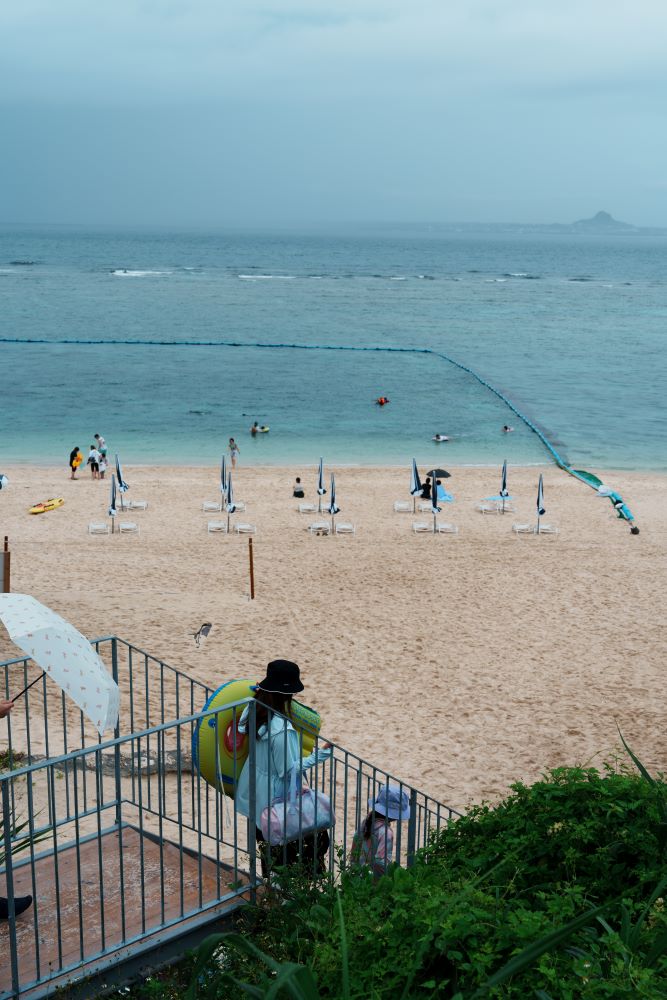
x: 94, y: 462
x: 101, y: 444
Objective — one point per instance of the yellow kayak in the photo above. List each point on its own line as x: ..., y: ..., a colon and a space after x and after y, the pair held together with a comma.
x: 41, y: 508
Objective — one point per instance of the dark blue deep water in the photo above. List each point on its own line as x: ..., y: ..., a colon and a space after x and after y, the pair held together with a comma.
x: 572, y: 328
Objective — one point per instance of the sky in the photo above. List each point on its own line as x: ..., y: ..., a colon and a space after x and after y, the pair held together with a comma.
x: 282, y: 113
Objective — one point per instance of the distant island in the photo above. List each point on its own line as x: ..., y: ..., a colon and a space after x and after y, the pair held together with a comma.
x: 600, y: 224
x: 603, y: 222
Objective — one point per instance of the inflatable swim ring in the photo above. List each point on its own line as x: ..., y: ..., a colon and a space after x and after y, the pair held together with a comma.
x: 232, y: 749
x: 41, y: 508
x: 263, y: 430
x: 77, y: 461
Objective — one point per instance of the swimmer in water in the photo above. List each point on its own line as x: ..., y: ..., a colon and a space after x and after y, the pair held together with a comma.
x: 440, y: 437
x: 507, y: 429
x: 381, y: 400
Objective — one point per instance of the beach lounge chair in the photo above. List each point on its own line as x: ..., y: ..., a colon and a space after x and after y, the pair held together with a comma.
x: 421, y: 526
x: 128, y: 527
x: 137, y: 504
x: 402, y: 507
x: 320, y: 528
x: 443, y: 528
x: 239, y: 505
x: 245, y: 529
x: 345, y: 528
x: 98, y: 528
x: 202, y: 632
x: 523, y: 529
x: 424, y: 505
x: 547, y: 529
x: 209, y: 506
x: 307, y: 508
x: 488, y: 507
x: 217, y: 526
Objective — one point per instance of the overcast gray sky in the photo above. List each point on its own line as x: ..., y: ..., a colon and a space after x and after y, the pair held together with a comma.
x: 183, y: 112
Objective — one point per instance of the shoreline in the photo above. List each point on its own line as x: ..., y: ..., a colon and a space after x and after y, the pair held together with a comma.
x: 460, y: 664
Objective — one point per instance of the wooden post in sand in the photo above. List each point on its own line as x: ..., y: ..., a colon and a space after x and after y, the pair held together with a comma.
x: 6, y: 559
x: 252, y: 571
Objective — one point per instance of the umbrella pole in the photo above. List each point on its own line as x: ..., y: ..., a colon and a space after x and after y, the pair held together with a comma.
x: 434, y: 520
x: 227, y: 522
x: 27, y: 688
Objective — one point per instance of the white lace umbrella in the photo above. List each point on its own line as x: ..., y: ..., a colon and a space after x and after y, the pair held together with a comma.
x: 65, y: 655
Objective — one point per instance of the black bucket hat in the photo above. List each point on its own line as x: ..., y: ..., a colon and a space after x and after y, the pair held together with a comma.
x: 282, y: 677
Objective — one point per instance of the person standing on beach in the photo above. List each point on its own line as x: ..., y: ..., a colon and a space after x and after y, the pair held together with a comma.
x: 75, y: 460
x: 234, y: 452
x: 101, y: 444
x: 94, y: 462
x: 103, y: 465
x: 21, y: 903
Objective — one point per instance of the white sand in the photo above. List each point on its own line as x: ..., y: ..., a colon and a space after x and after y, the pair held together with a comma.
x: 460, y: 664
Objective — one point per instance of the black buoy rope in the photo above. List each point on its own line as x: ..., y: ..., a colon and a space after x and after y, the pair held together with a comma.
x: 558, y: 459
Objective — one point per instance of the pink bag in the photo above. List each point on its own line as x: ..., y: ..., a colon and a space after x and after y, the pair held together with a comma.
x: 303, y: 812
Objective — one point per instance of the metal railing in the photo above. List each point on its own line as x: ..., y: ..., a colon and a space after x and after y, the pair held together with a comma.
x: 126, y: 843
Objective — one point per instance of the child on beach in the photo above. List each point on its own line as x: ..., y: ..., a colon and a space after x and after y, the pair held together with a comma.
x: 234, y: 452
x: 373, y: 843
x: 298, y: 489
x: 102, y: 465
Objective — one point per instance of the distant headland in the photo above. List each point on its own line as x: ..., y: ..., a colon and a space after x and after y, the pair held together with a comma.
x: 600, y: 224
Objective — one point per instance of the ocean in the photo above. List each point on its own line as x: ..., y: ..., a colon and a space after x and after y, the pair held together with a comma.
x: 570, y: 327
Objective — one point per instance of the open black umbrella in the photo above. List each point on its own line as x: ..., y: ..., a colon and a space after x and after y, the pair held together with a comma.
x: 439, y: 474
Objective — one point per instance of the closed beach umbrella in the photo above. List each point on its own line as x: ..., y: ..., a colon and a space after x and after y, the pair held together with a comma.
x: 123, y: 487
x: 435, y: 510
x: 320, y: 486
x: 65, y: 655
x: 504, y: 492
x: 223, y: 475
x: 416, y: 488
x: 112, y: 501
x: 540, y: 503
x: 332, y: 508
x: 230, y: 506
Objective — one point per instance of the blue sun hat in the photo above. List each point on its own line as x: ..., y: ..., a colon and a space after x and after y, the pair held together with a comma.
x: 392, y: 802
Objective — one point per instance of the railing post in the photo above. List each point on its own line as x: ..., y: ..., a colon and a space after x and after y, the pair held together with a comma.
x: 9, y: 875
x: 116, y: 733
x: 252, y: 795
x: 412, y: 829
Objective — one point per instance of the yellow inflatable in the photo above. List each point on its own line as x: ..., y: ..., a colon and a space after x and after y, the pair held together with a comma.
x: 41, y: 508
x: 233, y: 746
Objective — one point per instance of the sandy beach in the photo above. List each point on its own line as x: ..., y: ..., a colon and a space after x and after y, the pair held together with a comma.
x: 459, y: 663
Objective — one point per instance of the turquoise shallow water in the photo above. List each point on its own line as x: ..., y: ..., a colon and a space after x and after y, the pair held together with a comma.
x: 571, y: 328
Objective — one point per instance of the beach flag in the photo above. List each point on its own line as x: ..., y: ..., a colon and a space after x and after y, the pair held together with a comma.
x: 332, y: 508
x: 540, y: 503
x: 416, y: 488
x: 223, y: 475
x: 320, y: 486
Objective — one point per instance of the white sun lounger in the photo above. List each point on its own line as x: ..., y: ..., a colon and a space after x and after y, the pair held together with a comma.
x: 421, y: 526
x: 345, y: 528
x: 402, y: 507
x: 307, y: 508
x: 136, y: 504
x: 98, y: 528
x: 129, y: 527
x: 547, y: 529
x: 245, y: 529
x: 424, y: 505
x: 488, y: 508
x: 523, y: 529
x: 320, y: 528
x: 209, y: 506
x: 217, y: 526
x: 446, y: 529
